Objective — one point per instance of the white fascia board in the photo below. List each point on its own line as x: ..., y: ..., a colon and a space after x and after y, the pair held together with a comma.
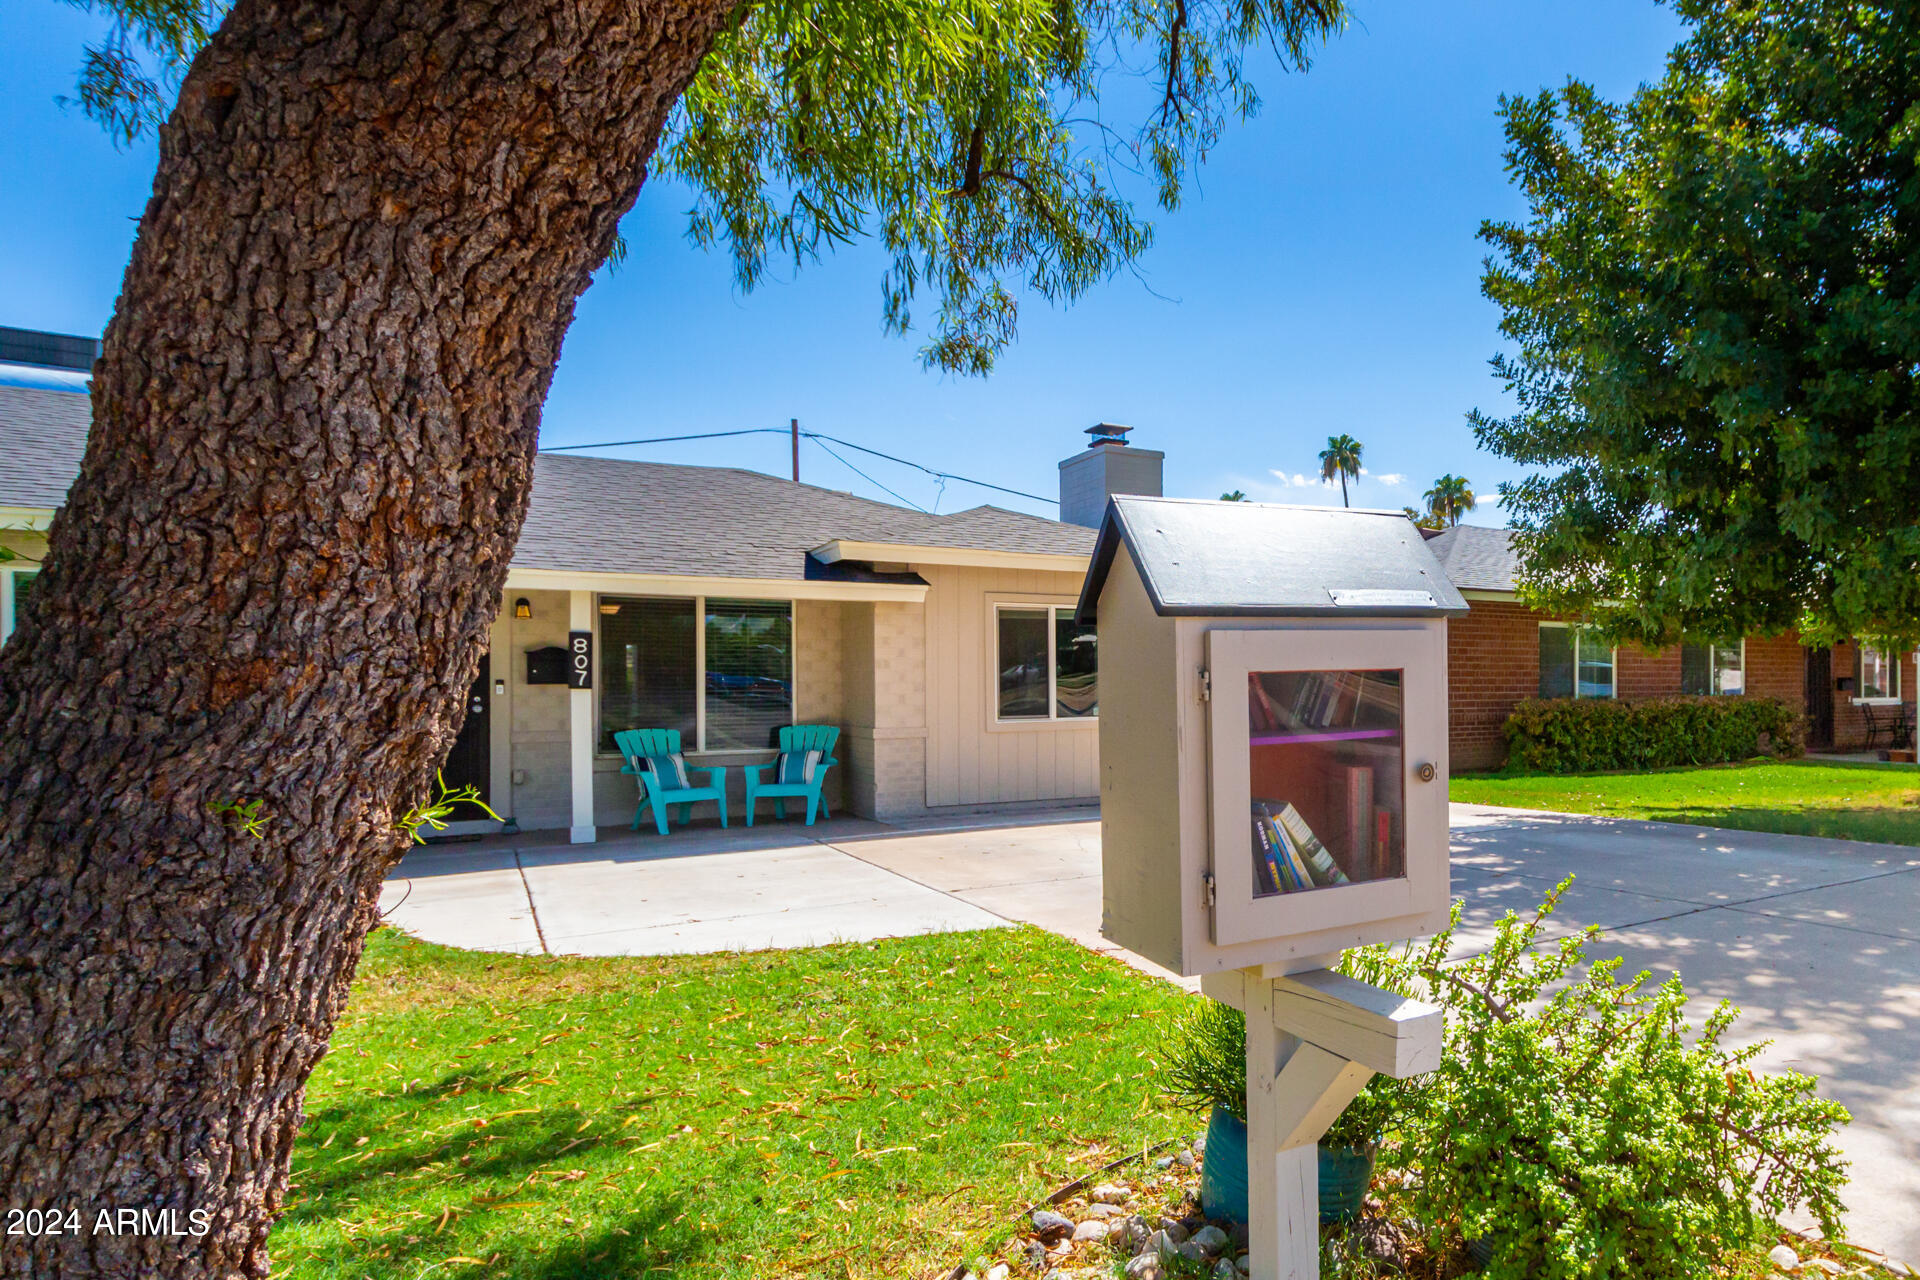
x: 1489, y: 595
x: 909, y: 553
x: 666, y: 584
x: 36, y: 519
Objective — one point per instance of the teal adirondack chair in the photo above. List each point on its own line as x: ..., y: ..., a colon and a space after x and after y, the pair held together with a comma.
x: 799, y: 737
x: 637, y: 745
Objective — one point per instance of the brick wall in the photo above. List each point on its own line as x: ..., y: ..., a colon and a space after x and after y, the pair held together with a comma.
x: 1493, y: 661
x: 1849, y: 721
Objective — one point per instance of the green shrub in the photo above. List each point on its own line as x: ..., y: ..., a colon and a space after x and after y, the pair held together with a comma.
x: 1579, y: 1126
x: 1581, y: 735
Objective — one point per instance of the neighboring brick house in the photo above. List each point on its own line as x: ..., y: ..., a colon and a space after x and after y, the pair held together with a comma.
x: 1497, y: 655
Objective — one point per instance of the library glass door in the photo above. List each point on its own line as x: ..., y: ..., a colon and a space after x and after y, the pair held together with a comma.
x: 1321, y: 816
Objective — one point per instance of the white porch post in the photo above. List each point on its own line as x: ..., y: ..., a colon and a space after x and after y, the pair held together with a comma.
x: 580, y: 728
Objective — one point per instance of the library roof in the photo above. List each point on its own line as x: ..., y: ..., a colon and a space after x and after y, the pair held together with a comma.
x: 1255, y: 559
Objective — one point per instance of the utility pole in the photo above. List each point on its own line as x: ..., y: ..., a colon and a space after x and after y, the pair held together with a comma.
x: 794, y: 426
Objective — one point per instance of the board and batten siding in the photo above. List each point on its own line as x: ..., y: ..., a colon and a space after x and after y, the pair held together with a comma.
x: 970, y: 759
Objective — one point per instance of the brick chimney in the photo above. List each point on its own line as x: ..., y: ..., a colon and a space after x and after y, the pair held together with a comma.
x: 1108, y: 465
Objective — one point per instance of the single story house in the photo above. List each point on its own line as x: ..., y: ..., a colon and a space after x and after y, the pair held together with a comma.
x: 726, y: 603
x: 1502, y: 652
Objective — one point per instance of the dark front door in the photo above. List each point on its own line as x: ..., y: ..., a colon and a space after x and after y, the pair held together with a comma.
x: 470, y: 760
x: 1820, y: 698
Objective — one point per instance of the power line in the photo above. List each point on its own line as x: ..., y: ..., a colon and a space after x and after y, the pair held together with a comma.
x: 819, y: 438
x: 863, y: 475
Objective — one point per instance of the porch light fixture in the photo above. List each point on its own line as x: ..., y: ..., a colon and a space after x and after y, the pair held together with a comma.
x: 521, y: 609
x: 609, y: 608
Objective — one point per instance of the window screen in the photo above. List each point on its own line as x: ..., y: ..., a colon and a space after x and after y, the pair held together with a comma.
x: 646, y: 667
x: 749, y: 672
x: 1021, y: 658
x: 1556, y: 662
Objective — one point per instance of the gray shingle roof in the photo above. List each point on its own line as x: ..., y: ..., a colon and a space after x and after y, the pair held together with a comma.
x: 610, y: 515
x: 42, y: 435
x: 1257, y: 559
x: 1477, y: 559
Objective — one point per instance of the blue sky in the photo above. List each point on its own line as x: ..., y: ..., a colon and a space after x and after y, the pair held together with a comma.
x: 1321, y: 277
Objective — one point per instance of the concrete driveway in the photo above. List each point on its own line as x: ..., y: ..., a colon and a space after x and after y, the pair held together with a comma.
x: 1818, y: 941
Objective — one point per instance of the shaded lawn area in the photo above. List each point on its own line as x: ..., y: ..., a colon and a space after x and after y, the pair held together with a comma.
x: 1795, y: 797
x: 857, y: 1110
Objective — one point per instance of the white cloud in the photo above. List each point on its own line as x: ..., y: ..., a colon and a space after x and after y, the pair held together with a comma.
x: 1294, y: 481
x: 1392, y: 479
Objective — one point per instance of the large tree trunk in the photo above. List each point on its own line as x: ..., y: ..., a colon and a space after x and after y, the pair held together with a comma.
x: 312, y: 440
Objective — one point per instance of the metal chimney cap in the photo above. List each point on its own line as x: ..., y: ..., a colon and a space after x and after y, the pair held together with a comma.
x: 1107, y: 433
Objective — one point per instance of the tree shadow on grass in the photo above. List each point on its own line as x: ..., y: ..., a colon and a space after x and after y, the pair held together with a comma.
x: 656, y: 1236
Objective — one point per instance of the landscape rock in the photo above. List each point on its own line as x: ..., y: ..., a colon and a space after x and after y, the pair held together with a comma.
x: 1163, y: 1162
x: 1109, y: 1193
x: 1783, y: 1257
x: 1091, y: 1229
x: 1145, y: 1267
x: 1161, y: 1245
x: 1225, y: 1270
x: 1191, y: 1251
x: 1185, y: 1159
x: 1000, y: 1271
x: 1051, y: 1226
x: 1036, y: 1256
x: 1100, y: 1210
x: 1175, y: 1229
x: 1211, y: 1239
x: 1244, y: 1264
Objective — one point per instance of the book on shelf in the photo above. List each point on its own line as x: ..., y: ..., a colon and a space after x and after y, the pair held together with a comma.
x: 1266, y: 868
x: 1304, y: 862
x: 1320, y: 700
x: 1360, y: 821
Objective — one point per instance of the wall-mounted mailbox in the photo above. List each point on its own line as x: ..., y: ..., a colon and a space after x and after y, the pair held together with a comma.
x: 547, y: 666
x: 1273, y: 731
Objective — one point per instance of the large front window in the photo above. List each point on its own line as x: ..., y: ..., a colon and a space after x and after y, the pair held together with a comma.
x: 749, y: 684
x: 1575, y: 662
x: 652, y: 675
x: 1047, y: 664
x: 1712, y: 669
x: 1878, y: 675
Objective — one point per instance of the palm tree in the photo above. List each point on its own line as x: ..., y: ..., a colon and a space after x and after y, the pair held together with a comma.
x: 1450, y: 498
x: 1341, y: 458
x: 1235, y: 496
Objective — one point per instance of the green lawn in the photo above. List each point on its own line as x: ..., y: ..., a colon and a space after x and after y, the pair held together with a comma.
x: 1848, y: 801
x: 848, y: 1111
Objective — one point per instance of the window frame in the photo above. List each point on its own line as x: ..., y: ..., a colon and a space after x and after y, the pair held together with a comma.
x: 699, y: 669
x: 1892, y: 660
x: 1613, y: 664
x: 9, y: 595
x: 997, y: 723
x: 1713, y: 666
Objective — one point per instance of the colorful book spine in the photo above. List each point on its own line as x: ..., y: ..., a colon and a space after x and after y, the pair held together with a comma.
x: 1266, y: 869
x: 1312, y: 853
x: 1296, y: 873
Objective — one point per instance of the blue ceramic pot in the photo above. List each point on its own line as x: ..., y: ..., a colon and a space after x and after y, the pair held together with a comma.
x: 1344, y: 1174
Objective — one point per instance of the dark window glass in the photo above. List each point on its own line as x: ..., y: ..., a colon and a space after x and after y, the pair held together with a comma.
x: 749, y: 672
x: 1556, y: 662
x: 1077, y: 659
x: 646, y: 667
x: 1696, y: 669
x: 1022, y: 663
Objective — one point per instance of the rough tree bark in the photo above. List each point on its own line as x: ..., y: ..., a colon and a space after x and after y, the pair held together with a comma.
x: 313, y: 435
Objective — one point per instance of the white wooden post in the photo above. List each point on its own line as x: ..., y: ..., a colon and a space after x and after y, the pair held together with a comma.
x: 1313, y: 1041
x: 580, y: 730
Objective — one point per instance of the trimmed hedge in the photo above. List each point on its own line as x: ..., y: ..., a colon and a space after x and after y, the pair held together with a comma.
x: 1583, y: 735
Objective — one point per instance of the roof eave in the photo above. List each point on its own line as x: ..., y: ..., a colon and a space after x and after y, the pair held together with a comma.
x: 973, y: 557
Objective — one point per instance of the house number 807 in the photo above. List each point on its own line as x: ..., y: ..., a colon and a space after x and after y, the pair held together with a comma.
x: 580, y: 659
